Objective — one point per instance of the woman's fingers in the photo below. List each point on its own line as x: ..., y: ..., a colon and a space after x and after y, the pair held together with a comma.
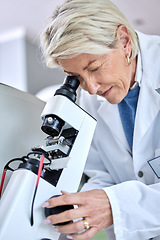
x: 66, y: 216
x: 65, y: 199
x: 73, y: 227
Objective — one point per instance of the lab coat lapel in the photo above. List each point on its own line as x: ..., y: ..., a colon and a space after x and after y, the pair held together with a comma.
x: 149, y: 97
x: 110, y: 115
x: 147, y: 109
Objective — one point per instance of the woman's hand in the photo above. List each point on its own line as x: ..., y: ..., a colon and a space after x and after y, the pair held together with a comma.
x: 93, y: 206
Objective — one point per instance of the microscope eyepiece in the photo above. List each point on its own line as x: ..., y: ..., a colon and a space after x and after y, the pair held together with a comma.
x: 53, y: 124
x: 69, y: 88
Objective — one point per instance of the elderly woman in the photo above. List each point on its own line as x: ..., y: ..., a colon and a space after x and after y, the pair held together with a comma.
x: 119, y: 71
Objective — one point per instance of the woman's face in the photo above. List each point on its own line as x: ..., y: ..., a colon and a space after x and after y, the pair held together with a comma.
x: 109, y: 75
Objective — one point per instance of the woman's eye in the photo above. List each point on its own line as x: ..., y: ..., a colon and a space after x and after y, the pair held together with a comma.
x: 94, y: 70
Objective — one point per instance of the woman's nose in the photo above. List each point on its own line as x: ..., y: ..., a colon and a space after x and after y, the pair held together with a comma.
x: 91, y: 85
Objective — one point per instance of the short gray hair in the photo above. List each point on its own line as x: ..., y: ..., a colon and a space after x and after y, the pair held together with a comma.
x: 84, y: 26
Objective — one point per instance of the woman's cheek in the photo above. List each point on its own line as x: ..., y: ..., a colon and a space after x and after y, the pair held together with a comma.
x: 83, y: 86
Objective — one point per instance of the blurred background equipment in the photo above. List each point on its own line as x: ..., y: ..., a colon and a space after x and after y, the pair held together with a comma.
x: 20, y: 124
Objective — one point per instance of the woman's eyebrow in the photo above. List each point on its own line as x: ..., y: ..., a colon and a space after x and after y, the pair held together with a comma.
x: 67, y: 72
x: 70, y: 73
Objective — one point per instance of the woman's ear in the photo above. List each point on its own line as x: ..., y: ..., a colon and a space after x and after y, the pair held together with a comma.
x: 124, y: 39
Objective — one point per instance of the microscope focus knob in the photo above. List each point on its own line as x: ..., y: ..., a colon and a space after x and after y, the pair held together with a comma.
x: 57, y: 210
x: 52, y: 125
x: 50, y: 120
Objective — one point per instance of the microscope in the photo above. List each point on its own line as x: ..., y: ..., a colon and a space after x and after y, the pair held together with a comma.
x: 48, y: 169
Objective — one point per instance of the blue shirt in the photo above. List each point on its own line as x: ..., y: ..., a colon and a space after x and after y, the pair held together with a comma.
x: 127, y: 108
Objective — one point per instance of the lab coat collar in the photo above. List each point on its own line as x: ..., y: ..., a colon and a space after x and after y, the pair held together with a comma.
x: 138, y: 76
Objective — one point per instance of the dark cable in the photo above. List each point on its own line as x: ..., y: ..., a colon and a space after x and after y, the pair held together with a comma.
x: 35, y: 191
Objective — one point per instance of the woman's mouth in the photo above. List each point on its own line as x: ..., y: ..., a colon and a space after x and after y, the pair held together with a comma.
x: 106, y: 93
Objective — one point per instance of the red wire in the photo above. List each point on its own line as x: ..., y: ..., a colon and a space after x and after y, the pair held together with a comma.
x: 40, y: 169
x: 2, y: 181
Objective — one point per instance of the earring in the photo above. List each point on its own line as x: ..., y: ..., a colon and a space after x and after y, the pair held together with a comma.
x: 128, y: 60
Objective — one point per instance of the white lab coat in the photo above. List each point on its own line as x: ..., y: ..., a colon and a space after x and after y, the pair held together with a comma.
x: 135, y: 199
